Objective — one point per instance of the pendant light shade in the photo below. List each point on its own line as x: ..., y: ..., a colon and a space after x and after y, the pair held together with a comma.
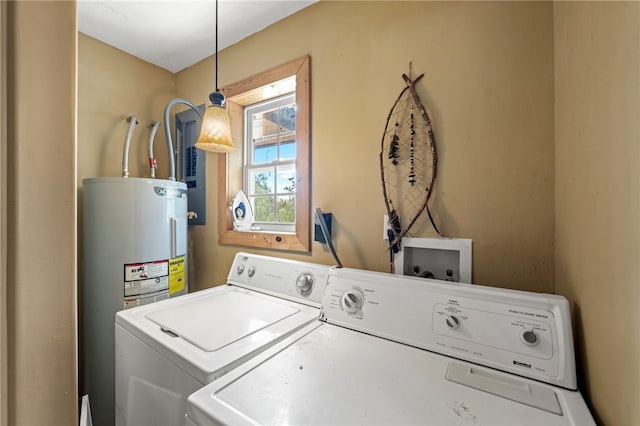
x: 215, y: 134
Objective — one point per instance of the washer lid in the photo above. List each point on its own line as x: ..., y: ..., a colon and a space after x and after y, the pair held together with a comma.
x: 210, y: 332
x: 214, y: 322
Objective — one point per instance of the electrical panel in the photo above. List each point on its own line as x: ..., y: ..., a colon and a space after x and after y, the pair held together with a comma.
x: 191, y: 163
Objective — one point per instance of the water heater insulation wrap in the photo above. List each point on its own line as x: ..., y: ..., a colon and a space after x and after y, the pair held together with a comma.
x: 135, y: 252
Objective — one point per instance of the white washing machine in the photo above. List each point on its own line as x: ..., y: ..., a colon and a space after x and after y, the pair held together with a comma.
x: 388, y: 350
x: 170, y: 349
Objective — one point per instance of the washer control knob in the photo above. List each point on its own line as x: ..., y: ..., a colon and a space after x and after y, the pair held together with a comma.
x: 251, y: 271
x: 452, y: 321
x: 304, y: 284
x: 352, y: 301
x: 529, y: 337
x: 240, y: 269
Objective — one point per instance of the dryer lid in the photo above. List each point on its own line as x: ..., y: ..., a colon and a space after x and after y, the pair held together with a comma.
x: 211, y: 323
x: 329, y: 375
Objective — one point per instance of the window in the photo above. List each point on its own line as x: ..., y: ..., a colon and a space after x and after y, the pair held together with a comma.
x: 270, y: 162
x: 271, y: 110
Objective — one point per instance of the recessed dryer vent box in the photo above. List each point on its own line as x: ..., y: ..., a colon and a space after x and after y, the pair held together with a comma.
x: 447, y: 259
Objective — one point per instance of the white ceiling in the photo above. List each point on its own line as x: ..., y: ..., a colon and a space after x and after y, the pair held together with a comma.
x: 175, y: 34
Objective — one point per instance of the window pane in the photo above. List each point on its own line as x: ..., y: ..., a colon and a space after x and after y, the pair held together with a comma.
x: 264, y: 133
x: 264, y: 124
x: 288, y: 150
x: 288, y: 132
x: 288, y: 118
x: 262, y: 181
x: 264, y: 209
x: 286, y: 179
x: 287, y: 209
x: 264, y: 153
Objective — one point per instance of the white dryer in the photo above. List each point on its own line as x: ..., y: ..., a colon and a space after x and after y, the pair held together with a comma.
x: 170, y: 349
x: 389, y: 350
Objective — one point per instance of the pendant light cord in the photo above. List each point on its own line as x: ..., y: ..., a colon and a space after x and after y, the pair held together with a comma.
x: 217, y: 90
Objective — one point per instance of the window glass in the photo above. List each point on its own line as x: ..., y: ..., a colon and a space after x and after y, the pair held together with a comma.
x: 287, y: 209
x: 288, y: 150
x: 286, y: 179
x: 263, y: 209
x: 262, y: 181
x: 270, y: 169
x: 264, y: 153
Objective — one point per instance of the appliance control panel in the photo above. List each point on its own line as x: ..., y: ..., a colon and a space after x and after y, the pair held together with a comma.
x: 515, y: 331
x: 298, y: 281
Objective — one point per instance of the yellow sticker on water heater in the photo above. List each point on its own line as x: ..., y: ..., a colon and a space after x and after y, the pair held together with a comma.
x: 176, y: 274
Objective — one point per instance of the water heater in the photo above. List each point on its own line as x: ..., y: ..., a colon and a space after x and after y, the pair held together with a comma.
x: 135, y: 252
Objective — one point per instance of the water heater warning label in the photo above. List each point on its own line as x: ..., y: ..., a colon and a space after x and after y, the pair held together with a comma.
x: 141, y: 271
x: 151, y: 285
x: 145, y: 282
x: 176, y: 274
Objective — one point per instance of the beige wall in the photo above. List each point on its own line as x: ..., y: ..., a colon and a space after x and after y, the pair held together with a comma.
x: 113, y: 85
x: 4, y: 33
x: 489, y: 87
x: 41, y: 213
x: 597, y: 71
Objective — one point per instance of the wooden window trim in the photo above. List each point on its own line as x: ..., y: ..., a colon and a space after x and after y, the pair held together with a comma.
x: 247, y: 92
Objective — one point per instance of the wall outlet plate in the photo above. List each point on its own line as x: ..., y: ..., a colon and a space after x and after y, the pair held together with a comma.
x: 317, y: 231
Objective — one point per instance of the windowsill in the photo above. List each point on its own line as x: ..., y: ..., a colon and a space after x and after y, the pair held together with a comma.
x: 266, y: 231
x: 263, y: 239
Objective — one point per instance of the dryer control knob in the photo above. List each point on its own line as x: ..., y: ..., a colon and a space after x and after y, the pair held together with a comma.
x: 352, y: 301
x: 452, y: 321
x: 529, y: 337
x: 251, y: 271
x: 304, y: 284
x: 240, y: 269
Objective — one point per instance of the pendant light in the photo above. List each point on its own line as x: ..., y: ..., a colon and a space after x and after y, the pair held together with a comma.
x: 215, y: 133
